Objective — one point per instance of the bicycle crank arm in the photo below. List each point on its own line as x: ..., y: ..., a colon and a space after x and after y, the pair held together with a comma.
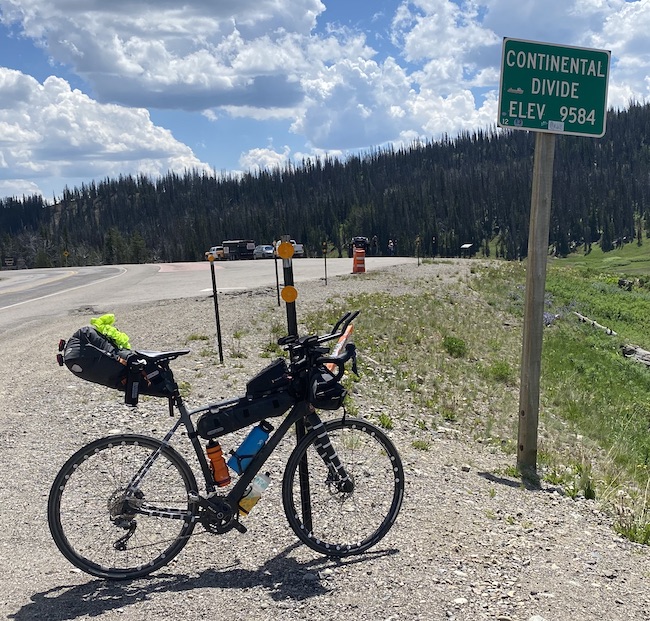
x: 218, y: 515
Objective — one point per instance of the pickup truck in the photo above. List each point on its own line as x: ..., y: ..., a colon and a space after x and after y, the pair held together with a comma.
x: 216, y: 252
x: 298, y: 249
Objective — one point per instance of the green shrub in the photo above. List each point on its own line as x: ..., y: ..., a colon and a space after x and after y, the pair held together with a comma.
x: 454, y: 346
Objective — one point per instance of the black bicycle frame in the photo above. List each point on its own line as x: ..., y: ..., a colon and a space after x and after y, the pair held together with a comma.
x: 300, y: 413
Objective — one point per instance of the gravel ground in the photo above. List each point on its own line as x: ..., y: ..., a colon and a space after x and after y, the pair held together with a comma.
x: 469, y: 543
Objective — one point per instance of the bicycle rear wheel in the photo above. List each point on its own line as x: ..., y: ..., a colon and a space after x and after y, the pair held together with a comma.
x: 349, y: 516
x: 111, y: 534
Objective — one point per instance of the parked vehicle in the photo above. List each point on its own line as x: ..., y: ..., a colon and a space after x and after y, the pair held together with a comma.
x: 358, y: 242
x: 216, y: 252
x: 234, y: 249
x: 264, y: 251
x: 298, y: 249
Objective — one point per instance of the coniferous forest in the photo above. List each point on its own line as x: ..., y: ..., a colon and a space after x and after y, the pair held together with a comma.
x: 474, y: 189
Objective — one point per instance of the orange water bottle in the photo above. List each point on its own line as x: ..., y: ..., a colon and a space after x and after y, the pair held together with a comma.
x: 218, y: 466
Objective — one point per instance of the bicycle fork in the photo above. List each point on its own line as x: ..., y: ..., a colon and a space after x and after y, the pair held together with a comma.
x: 338, y: 475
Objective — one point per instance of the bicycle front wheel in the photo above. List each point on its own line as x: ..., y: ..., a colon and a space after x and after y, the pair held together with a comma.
x: 343, y: 508
x: 110, y: 525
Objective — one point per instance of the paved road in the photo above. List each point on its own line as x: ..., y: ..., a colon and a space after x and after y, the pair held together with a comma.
x: 31, y: 295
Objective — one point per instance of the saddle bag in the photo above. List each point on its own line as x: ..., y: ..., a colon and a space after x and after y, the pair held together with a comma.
x: 93, y: 357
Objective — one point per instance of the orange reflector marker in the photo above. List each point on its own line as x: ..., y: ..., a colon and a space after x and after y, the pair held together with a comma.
x: 211, y: 257
x: 285, y: 250
x: 289, y: 293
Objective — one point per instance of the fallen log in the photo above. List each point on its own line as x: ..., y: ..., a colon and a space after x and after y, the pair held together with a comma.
x: 595, y: 324
x: 629, y: 351
x: 636, y: 353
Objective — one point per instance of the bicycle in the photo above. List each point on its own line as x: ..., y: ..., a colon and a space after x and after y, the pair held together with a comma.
x: 125, y: 505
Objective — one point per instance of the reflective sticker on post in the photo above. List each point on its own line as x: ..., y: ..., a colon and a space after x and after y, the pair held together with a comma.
x: 289, y: 294
x: 285, y: 250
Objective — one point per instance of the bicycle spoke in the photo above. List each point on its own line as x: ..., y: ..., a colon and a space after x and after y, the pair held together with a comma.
x: 346, y: 518
x: 109, y: 533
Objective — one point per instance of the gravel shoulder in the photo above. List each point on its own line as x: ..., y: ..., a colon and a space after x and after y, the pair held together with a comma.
x: 469, y: 544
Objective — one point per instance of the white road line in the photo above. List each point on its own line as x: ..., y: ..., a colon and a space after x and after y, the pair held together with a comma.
x: 49, y: 295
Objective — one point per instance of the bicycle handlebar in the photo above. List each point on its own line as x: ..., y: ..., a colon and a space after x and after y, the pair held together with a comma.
x: 339, y: 361
x: 340, y: 327
x: 310, y: 342
x: 307, y: 352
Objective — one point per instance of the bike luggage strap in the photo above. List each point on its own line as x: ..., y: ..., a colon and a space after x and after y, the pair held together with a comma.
x: 136, y: 362
x: 134, y: 367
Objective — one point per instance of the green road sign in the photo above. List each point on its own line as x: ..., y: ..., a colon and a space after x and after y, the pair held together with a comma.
x: 553, y: 88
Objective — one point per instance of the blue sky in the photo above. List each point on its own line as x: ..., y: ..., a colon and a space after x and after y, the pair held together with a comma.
x: 91, y: 89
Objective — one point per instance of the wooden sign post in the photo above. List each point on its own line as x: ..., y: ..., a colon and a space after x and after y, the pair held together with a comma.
x: 531, y: 355
x: 549, y: 89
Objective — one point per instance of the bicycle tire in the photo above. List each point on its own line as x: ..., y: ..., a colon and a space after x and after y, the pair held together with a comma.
x: 90, y: 522
x: 345, y: 522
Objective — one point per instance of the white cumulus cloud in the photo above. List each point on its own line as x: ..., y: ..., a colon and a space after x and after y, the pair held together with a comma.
x: 408, y: 70
x: 50, y: 131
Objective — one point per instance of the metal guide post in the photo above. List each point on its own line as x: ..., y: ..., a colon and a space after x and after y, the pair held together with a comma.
x: 289, y: 294
x: 216, y: 308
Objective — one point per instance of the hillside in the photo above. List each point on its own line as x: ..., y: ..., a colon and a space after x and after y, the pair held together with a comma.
x: 431, y: 197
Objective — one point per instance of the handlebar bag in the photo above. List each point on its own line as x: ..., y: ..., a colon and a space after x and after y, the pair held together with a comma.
x: 325, y: 392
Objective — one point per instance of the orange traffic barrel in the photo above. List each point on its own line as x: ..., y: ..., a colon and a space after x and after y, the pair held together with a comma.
x: 358, y: 261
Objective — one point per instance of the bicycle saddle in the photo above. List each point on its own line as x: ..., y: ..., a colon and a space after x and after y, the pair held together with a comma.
x: 157, y: 356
